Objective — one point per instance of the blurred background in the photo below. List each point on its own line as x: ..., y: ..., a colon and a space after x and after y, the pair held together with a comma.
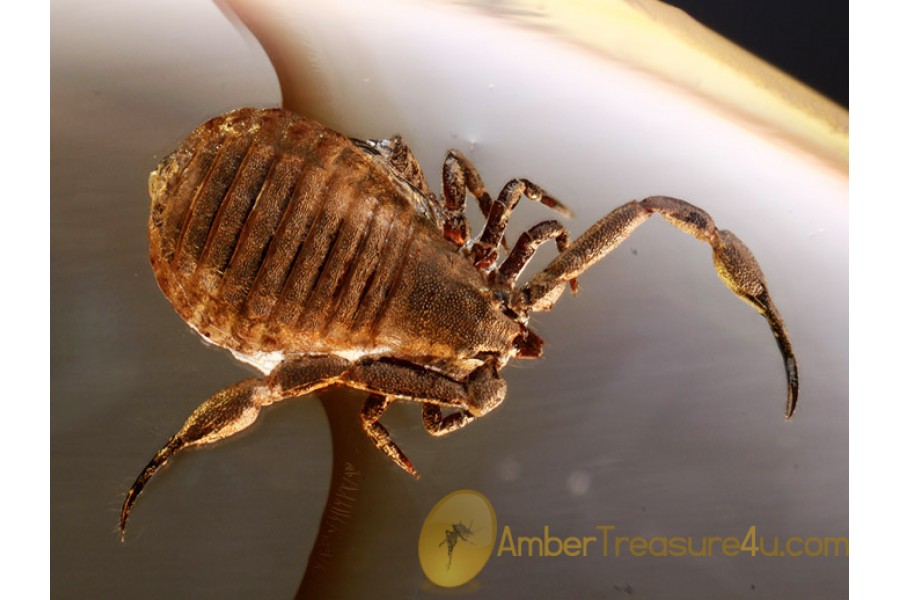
x: 657, y: 407
x: 806, y: 39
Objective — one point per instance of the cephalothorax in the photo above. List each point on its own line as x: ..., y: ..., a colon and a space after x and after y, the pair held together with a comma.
x: 324, y: 260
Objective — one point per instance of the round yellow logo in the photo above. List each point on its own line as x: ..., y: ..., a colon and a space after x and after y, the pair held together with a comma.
x: 457, y: 538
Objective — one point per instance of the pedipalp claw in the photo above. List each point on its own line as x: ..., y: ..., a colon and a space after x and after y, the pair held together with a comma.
x: 738, y: 269
x: 162, y: 457
x: 790, y: 365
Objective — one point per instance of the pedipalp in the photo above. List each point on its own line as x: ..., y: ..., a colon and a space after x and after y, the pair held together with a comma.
x: 734, y: 264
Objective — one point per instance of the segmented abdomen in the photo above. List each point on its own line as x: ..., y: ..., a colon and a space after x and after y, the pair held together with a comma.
x: 270, y: 232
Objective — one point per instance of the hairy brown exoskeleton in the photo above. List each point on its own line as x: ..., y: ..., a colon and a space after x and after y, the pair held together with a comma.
x: 324, y: 260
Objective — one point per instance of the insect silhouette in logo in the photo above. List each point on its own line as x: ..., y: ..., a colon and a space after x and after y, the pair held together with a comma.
x: 457, y: 532
x: 324, y: 260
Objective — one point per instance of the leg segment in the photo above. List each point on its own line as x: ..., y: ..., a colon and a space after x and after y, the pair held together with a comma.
x: 405, y: 381
x: 459, y: 175
x: 304, y: 375
x: 234, y: 409
x: 484, y: 251
x: 734, y: 263
x: 374, y: 407
x: 439, y: 425
x: 525, y: 248
x: 482, y: 392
